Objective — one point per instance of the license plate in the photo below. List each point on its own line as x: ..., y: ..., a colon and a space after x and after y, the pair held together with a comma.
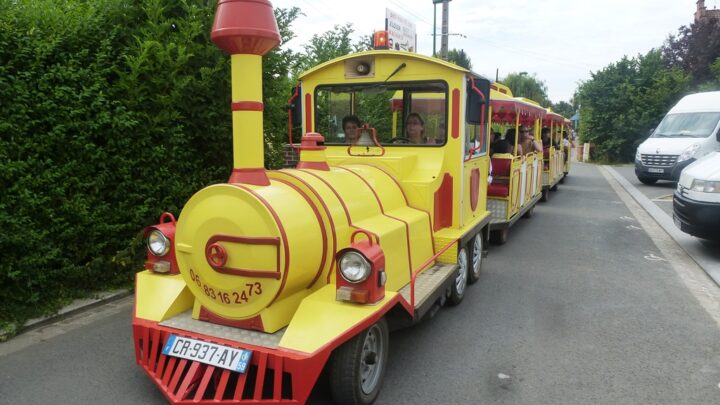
x: 677, y: 222
x: 208, y: 353
x: 654, y: 170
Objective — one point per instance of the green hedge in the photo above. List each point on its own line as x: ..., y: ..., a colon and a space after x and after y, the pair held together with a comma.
x: 112, y: 111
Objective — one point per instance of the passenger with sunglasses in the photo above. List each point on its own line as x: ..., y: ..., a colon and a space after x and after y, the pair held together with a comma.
x: 528, y: 142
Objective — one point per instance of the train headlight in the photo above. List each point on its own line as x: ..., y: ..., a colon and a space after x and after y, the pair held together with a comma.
x: 354, y: 267
x: 158, y: 243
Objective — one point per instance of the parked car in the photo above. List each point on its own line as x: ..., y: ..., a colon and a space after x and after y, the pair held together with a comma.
x: 688, y: 132
x: 696, y: 202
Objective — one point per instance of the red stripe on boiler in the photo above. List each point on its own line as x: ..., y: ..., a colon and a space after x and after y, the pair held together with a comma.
x: 407, y: 226
x: 283, y: 235
x: 320, y: 223
x: 427, y: 213
x: 327, y: 212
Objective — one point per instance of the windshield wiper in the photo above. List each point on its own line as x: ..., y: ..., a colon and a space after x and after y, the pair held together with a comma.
x: 399, y: 68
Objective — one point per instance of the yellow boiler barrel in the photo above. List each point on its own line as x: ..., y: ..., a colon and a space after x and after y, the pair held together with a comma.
x: 241, y: 248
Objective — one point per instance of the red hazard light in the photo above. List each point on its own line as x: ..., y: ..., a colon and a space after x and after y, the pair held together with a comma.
x: 380, y: 40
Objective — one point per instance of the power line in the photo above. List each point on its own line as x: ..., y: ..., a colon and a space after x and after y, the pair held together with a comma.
x: 537, y: 55
x: 404, y: 8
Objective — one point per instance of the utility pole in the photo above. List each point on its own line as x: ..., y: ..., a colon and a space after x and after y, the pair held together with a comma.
x: 445, y: 30
x: 435, y: 3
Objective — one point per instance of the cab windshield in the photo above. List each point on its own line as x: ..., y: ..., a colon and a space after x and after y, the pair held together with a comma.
x: 402, y: 114
x: 687, y: 125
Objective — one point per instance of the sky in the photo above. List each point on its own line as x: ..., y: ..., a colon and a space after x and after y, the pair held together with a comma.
x: 560, y: 41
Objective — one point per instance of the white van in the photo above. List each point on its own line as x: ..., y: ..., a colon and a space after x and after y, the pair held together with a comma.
x: 696, y: 203
x: 688, y: 132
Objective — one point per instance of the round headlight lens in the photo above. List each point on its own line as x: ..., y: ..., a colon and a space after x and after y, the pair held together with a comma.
x: 158, y: 243
x: 354, y: 267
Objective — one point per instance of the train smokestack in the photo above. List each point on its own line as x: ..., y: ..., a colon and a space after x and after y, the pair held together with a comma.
x: 247, y: 30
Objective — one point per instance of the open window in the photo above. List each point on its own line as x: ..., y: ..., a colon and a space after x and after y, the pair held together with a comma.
x: 476, y: 117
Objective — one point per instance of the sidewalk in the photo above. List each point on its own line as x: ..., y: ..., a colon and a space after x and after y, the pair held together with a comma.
x: 76, y: 307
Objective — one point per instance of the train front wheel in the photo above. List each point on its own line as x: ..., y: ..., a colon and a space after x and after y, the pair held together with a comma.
x: 357, y: 368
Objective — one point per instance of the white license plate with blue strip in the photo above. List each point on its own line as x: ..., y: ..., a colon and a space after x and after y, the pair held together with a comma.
x: 208, y: 353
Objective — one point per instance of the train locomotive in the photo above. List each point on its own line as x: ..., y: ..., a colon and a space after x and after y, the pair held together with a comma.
x: 263, y: 281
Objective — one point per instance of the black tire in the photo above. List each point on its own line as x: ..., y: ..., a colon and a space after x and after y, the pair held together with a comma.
x: 529, y: 213
x: 357, y: 368
x: 647, y: 180
x: 545, y: 195
x: 499, y: 236
x: 475, y: 247
x: 554, y: 188
x: 562, y: 179
x: 459, y: 285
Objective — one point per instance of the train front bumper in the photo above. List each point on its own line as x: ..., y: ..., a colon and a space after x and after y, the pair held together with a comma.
x: 273, y: 374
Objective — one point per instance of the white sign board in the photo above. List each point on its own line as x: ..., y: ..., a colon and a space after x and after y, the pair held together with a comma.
x: 401, y: 32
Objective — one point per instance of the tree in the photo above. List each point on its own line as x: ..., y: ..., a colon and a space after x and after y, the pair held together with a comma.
x: 564, y: 108
x: 528, y: 86
x: 329, y: 45
x: 112, y: 112
x: 460, y: 58
x: 277, y: 84
x: 623, y: 101
x: 694, y: 49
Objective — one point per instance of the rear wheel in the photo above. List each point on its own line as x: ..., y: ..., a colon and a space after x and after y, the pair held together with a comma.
x: 476, y: 251
x: 529, y: 213
x: 647, y: 180
x: 457, y: 292
x: 545, y: 195
x: 357, y: 368
x: 499, y: 236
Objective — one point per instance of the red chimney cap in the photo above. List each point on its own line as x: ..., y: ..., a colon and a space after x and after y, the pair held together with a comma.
x: 245, y: 27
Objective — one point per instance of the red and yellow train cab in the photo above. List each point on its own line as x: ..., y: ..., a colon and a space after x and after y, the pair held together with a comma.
x: 265, y: 280
x: 516, y: 186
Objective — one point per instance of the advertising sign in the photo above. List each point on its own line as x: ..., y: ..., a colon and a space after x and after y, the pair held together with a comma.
x: 401, y: 32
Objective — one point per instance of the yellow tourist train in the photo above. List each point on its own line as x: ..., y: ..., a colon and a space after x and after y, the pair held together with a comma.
x: 267, y: 279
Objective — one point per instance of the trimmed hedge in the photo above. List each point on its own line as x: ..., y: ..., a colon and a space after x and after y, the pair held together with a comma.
x: 111, y: 113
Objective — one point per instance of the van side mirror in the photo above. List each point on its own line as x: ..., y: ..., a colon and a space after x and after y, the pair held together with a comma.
x: 650, y: 132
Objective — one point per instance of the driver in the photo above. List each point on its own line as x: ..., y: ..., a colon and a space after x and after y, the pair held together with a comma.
x: 350, y: 125
x: 415, y: 128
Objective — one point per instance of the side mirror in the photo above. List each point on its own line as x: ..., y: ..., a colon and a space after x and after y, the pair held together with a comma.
x: 295, y: 106
x: 476, y: 103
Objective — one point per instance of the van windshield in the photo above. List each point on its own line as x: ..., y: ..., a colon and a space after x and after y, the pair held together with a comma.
x: 687, y: 125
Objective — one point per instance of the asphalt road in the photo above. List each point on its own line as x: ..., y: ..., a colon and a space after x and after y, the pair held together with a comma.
x: 706, y: 253
x: 588, y: 302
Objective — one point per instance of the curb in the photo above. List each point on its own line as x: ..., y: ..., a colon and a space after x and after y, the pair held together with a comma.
x: 76, y: 307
